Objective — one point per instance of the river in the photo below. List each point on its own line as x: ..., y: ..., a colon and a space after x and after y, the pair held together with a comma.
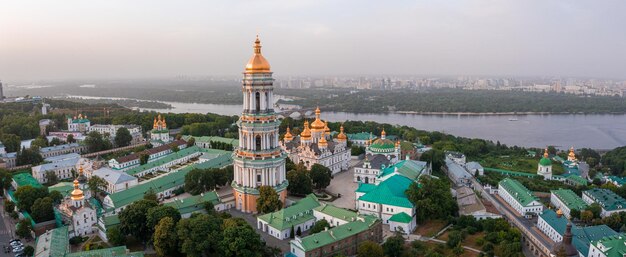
x: 598, y: 131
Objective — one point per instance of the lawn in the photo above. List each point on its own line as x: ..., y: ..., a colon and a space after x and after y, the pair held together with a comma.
x: 442, y: 249
x: 430, y: 228
x: 518, y: 163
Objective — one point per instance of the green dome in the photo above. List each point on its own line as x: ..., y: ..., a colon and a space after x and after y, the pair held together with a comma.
x: 545, y: 162
x: 383, y: 144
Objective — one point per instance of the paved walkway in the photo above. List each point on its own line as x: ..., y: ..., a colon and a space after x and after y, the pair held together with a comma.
x: 343, y: 183
x: 283, y: 245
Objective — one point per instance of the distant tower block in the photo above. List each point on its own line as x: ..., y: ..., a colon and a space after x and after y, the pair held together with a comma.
x: 545, y: 166
x: 259, y: 160
x: 1, y: 92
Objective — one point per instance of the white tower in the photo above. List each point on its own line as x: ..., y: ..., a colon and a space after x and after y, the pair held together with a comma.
x: 545, y: 166
x: 259, y: 159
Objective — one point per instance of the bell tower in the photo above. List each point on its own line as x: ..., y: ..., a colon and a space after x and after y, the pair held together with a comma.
x: 259, y: 159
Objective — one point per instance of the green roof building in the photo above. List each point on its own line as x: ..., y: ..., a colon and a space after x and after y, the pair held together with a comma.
x: 24, y: 179
x: 205, y: 141
x: 340, y: 240
x: 610, y: 246
x: 196, y: 203
x: 298, y: 216
x: 576, y: 180
x: 566, y: 200
x: 607, y: 199
x: 519, y: 197
x: 387, y: 199
x: 55, y: 243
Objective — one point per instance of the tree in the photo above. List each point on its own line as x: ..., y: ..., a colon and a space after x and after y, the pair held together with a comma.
x: 595, y: 208
x: 51, y: 177
x: 239, y: 239
x: 320, y: 176
x: 70, y: 139
x: 394, y: 246
x: 574, y: 213
x: 11, y: 142
x: 95, y: 142
x: 191, y: 141
x: 5, y: 179
x: 133, y: 219
x: 209, y: 208
x: 40, y: 142
x: 586, y: 216
x: 454, y: 239
x: 175, y: 148
x: 199, y: 180
x: 299, y: 181
x: 123, y: 137
x: 96, y: 184
x: 26, y: 196
x: 9, y: 206
x: 28, y: 156
x: 115, y: 236
x: 29, y: 250
x: 42, y: 210
x: 164, y: 238
x: 434, y: 197
x: 55, y: 141
x: 319, y: 226
x: 144, y: 158
x: 24, y: 227
x: 268, y: 200
x: 157, y: 213
x: 370, y: 249
x: 199, y: 235
x: 152, y: 196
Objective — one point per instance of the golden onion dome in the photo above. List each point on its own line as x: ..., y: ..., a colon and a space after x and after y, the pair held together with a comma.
x: 257, y: 62
x: 383, y: 134
x: 559, y: 212
x: 306, y: 132
x: 326, y: 128
x: 545, y: 153
x: 571, y: 153
x: 323, y: 142
x: 398, y: 143
x: 318, y: 124
x: 342, y: 136
x: 76, y: 194
x: 288, y: 135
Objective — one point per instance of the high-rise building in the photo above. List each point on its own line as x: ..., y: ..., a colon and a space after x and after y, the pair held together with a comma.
x: 1, y: 93
x: 259, y: 159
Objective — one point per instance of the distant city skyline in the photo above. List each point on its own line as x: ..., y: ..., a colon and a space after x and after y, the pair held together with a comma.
x: 147, y: 39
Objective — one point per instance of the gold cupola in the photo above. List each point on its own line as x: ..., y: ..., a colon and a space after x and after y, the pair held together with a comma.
x: 318, y: 125
x: 257, y: 63
x: 571, y: 155
x: 383, y: 134
x: 342, y: 136
x: 77, y: 194
x: 306, y: 132
x: 323, y: 143
x: 397, y: 143
x: 154, y: 124
x: 288, y: 136
x: 326, y: 129
x: 545, y: 153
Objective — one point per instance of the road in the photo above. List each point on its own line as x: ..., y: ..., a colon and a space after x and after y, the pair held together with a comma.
x: 7, y: 228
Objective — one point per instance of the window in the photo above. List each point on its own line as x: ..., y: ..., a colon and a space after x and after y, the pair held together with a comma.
x: 258, y: 102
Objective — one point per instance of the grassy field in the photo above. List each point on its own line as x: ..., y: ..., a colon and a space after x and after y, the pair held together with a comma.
x: 518, y: 163
x: 430, y: 228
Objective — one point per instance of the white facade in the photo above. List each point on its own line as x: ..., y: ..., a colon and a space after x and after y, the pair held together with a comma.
x: 605, y: 213
x: 531, y: 207
x: 116, y: 180
x: 548, y: 230
x: 62, y: 169
x: 382, y: 211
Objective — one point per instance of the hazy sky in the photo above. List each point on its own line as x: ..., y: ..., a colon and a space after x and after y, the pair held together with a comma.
x: 152, y: 38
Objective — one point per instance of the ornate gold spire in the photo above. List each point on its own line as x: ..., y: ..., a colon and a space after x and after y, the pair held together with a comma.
x: 306, y: 132
x: 342, y: 137
x: 545, y: 153
x: 323, y: 142
x: 80, y: 170
x: 154, y: 124
x: 288, y: 135
x: 326, y: 128
x: 398, y: 143
x: 383, y: 134
x: 571, y: 154
x: 77, y: 194
x: 318, y: 124
x: 257, y: 62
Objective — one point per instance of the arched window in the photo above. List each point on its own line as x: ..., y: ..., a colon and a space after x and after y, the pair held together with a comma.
x: 258, y: 142
x: 258, y: 102
x: 267, y: 101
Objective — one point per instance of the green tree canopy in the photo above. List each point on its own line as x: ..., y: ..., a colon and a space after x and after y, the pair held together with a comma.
x: 42, y: 210
x: 27, y: 195
x: 320, y: 176
x: 133, y: 219
x: 299, y: 181
x: 200, y: 235
x: 319, y: 226
x: 123, y: 137
x: 370, y: 249
x: 155, y: 214
x: 240, y: 239
x: 268, y: 200
x: 434, y: 197
x: 165, y: 238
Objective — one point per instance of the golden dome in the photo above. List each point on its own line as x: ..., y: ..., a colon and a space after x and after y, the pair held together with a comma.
x: 342, y: 136
x: 545, y: 153
x: 318, y: 124
x: 306, y: 132
x: 323, y: 142
x: 571, y: 153
x: 383, y: 134
x: 326, y: 128
x: 398, y: 143
x: 288, y: 135
x: 559, y: 212
x: 257, y: 62
x: 76, y: 194
x: 154, y: 124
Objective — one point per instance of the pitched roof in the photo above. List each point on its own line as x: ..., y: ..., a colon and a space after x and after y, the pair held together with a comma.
x: 401, y: 217
x: 334, y: 211
x: 365, y: 188
x: 390, y: 192
x: 194, y: 203
x: 119, y: 251
x: 407, y: 168
x: 208, y: 139
x: 337, y: 233
x: 170, y: 180
x: 62, y: 164
x: 582, y: 236
x: 576, y: 179
x: 165, y: 159
x: 519, y: 192
x: 158, y: 149
x: 25, y: 179
x: 606, y: 198
x: 298, y: 213
x: 52, y: 243
x: 58, y: 147
x: 63, y: 187
x: 615, y: 245
x: 113, y: 176
x: 361, y: 136
x: 570, y: 199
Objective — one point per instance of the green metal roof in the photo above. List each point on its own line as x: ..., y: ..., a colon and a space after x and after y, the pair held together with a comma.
x: 578, y: 180
x: 163, y: 160
x: 208, y: 139
x: 408, y: 168
x: 382, y: 144
x: 194, y: 203
x: 337, y: 233
x: 401, y: 217
x: 336, y: 212
x: 360, y: 136
x: 111, y: 221
x: 292, y: 215
x: 511, y: 173
x: 365, y: 188
x: 25, y: 179
x: 390, y: 192
x: 170, y: 180
x: 615, y: 245
x: 63, y: 187
x: 618, y: 180
x: 570, y: 199
x: 545, y: 161
x: 607, y: 199
x: 119, y: 251
x: 518, y: 191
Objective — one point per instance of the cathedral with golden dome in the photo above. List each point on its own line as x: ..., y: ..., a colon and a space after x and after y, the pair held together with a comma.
x: 77, y: 211
x: 316, y: 145
x: 384, y: 146
x: 159, y: 134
